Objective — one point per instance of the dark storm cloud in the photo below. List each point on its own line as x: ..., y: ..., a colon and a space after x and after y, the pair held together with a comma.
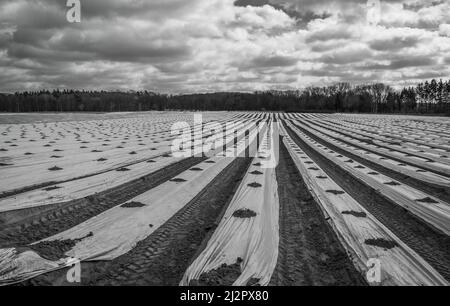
x: 394, y: 44
x: 347, y: 56
x: 418, y: 5
x: 339, y: 74
x: 128, y: 8
x: 38, y: 14
x: 303, y: 17
x: 273, y: 61
x: 332, y: 33
x: 409, y: 62
x: 412, y: 62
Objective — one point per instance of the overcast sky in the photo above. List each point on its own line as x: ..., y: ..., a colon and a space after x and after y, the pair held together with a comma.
x: 178, y: 46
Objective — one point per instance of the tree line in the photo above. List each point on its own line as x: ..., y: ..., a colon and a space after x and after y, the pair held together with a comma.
x: 430, y: 97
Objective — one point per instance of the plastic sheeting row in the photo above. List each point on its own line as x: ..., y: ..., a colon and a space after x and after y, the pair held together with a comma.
x: 253, y: 239
x: 437, y: 214
x: 356, y: 228
x: 117, y: 230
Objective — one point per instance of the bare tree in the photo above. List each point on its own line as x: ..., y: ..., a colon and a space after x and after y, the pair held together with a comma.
x: 378, y: 93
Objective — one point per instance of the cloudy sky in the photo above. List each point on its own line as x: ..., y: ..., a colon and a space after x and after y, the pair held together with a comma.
x: 178, y: 46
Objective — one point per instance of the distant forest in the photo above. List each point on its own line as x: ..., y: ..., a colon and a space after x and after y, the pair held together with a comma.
x: 430, y: 97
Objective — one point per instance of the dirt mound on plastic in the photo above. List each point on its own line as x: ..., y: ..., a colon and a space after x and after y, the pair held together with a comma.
x: 335, y: 192
x: 225, y: 275
x: 256, y: 172
x: 196, y: 169
x: 132, y: 205
x: 55, y: 250
x: 55, y: 168
x: 355, y: 213
x: 123, y: 169
x: 244, y: 213
x: 254, y: 185
x: 178, y: 180
x: 382, y: 243
x: 52, y: 188
x: 253, y: 282
x: 427, y: 200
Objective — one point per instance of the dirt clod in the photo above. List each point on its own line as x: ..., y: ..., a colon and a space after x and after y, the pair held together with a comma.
x: 52, y: 188
x: 55, y: 250
x: 55, y: 168
x: 196, y: 169
x: 133, y: 205
x: 225, y: 275
x: 336, y: 192
x: 244, y: 213
x: 254, y: 185
x: 256, y: 172
x: 123, y: 169
x: 382, y: 243
x: 178, y: 180
x: 355, y: 213
x: 427, y: 200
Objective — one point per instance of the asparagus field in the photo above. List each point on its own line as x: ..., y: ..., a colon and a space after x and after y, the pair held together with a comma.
x: 235, y: 198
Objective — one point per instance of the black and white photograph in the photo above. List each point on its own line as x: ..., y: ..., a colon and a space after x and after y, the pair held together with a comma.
x: 224, y: 148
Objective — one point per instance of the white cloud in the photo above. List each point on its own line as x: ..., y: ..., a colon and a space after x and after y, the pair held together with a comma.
x: 201, y: 45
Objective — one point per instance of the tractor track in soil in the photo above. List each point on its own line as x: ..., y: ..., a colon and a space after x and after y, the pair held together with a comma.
x: 432, y: 245
x: 310, y: 253
x: 60, y: 217
x: 434, y: 190
x: 163, y: 257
